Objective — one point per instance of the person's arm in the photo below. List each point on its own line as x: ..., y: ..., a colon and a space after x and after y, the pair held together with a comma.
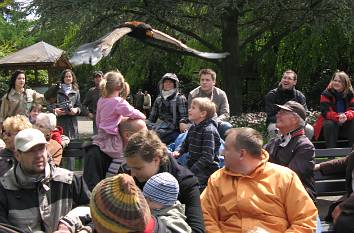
x: 350, y: 110
x: 224, y: 108
x: 3, y: 110
x: 326, y: 110
x: 270, y: 107
x: 182, y: 107
x: 81, y: 193
x: 335, y: 166
x: 190, y: 196
x: 154, y: 111
x: 38, y: 98
x: 210, y: 201
x: 3, y: 206
x: 86, y: 103
x: 300, y: 210
x: 76, y: 110
x: 126, y: 110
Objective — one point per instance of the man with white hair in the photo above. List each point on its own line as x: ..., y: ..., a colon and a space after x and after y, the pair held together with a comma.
x: 34, y: 195
x: 293, y: 149
x: 46, y: 122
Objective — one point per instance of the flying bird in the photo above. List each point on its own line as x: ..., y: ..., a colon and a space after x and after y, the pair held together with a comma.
x: 92, y: 53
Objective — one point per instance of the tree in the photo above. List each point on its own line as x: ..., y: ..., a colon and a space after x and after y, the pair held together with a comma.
x: 247, y: 29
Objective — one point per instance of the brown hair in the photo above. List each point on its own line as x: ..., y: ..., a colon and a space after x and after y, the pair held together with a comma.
x: 248, y: 139
x: 114, y: 81
x: 290, y: 72
x: 344, y: 77
x: 208, y: 71
x: 147, y: 145
x: 74, y: 83
x: 205, y: 104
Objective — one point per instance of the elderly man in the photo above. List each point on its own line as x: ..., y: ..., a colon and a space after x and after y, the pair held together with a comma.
x: 293, y: 149
x: 207, y: 80
x: 284, y: 92
x: 250, y: 192
x: 97, y: 164
x: 35, y: 195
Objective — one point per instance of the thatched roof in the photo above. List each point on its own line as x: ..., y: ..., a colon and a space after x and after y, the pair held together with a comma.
x: 38, y: 56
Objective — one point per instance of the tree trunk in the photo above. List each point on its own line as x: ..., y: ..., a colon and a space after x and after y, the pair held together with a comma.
x: 230, y: 67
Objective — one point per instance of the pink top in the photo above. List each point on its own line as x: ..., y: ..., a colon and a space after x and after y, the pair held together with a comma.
x: 110, y: 112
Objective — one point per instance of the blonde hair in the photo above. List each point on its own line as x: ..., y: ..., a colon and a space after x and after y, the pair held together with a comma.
x: 48, y: 120
x: 205, y: 104
x: 114, y: 81
x: 344, y: 77
x: 17, y: 123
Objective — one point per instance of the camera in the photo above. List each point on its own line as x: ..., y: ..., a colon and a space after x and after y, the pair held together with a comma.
x: 66, y: 105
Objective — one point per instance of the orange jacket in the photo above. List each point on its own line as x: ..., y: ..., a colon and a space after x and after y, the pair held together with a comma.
x: 271, y: 197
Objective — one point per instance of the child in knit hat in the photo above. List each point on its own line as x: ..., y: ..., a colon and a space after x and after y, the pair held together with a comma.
x: 161, y: 192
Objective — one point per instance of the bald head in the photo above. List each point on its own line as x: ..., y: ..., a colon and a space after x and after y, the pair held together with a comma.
x: 128, y: 127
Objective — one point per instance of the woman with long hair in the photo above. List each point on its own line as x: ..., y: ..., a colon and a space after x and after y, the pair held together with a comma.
x: 337, y: 111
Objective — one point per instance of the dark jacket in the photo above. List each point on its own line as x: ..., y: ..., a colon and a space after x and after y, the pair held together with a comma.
x: 188, y: 191
x: 280, y: 96
x: 298, y: 155
x: 202, y: 143
x: 7, y: 160
x: 342, y: 166
x: 90, y: 101
x: 39, y: 205
x: 329, y: 112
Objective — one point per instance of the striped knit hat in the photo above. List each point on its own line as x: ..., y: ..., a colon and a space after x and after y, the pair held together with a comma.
x: 162, y: 188
x: 118, y: 205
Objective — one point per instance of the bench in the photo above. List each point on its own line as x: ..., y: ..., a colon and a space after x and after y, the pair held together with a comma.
x: 329, y: 186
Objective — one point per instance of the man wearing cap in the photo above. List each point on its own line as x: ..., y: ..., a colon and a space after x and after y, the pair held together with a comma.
x: 284, y: 92
x: 34, y: 195
x: 92, y: 96
x: 168, y: 109
x: 293, y: 149
x: 251, y: 194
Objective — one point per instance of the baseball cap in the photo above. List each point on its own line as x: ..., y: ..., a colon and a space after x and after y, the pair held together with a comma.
x: 28, y: 138
x: 293, y: 106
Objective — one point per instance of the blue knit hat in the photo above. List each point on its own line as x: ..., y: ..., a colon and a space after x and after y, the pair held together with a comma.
x: 162, y: 188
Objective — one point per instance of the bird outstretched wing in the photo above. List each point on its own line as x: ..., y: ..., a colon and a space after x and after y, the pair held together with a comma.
x: 92, y: 53
x: 158, y: 35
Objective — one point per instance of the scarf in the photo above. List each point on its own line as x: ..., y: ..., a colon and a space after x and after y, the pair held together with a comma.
x: 29, y: 182
x: 285, y: 139
x: 66, y: 88
x: 166, y: 94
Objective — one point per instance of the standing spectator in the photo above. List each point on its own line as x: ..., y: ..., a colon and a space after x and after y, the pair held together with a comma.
x: 169, y: 108
x: 46, y: 123
x: 293, y: 149
x: 139, y: 100
x: 147, y: 103
x: 251, y: 192
x: 337, y: 111
x: 283, y: 93
x: 91, y: 99
x: 202, y: 142
x: 12, y: 125
x: 68, y: 104
x: 146, y: 156
x: 34, y: 196
x: 34, y: 111
x: 207, y: 78
x: 18, y: 98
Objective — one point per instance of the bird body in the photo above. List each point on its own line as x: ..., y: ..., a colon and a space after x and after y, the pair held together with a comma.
x: 92, y: 53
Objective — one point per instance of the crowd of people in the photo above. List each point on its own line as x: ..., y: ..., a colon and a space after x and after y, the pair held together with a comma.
x: 214, y: 178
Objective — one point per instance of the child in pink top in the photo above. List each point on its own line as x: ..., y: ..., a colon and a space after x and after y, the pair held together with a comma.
x: 111, y: 108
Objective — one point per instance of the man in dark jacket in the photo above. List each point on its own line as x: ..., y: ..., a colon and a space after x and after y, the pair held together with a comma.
x: 34, y: 196
x: 284, y: 92
x: 294, y: 149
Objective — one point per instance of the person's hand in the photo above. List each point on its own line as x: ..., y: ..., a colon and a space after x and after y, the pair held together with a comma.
x: 73, y: 111
x: 335, y: 214
x: 183, y: 127
x: 342, y: 118
x: 175, y: 154
x: 317, y: 167
x: 62, y: 228
x: 59, y: 112
x: 90, y: 115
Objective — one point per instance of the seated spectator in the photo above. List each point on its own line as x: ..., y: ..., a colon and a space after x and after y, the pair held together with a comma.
x: 293, y: 149
x: 169, y: 108
x: 12, y: 125
x: 161, y: 192
x: 251, y: 192
x: 97, y: 164
x: 283, y: 93
x: 341, y: 212
x: 207, y: 89
x: 34, y: 195
x: 337, y: 111
x: 202, y: 142
x: 46, y: 122
x: 117, y: 205
x: 34, y: 111
x: 146, y: 156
